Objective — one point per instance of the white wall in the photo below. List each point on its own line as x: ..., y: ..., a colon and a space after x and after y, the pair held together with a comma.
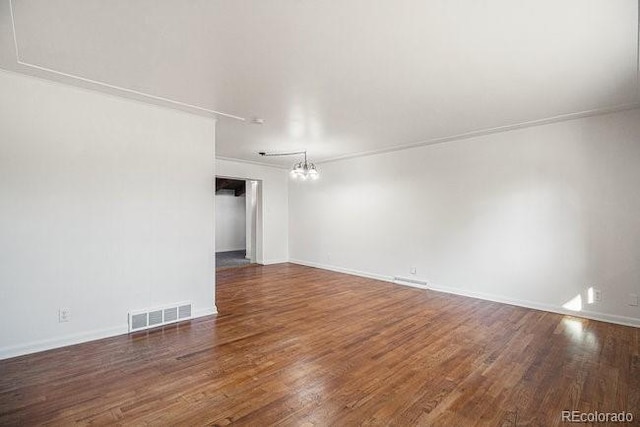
x: 533, y: 216
x: 275, y: 196
x: 106, y: 205
x: 230, y: 222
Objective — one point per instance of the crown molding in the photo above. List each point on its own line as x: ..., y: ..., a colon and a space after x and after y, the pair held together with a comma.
x: 488, y: 131
x: 122, y: 91
x: 251, y: 162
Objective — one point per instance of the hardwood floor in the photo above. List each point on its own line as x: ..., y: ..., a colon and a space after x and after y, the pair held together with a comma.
x: 294, y: 345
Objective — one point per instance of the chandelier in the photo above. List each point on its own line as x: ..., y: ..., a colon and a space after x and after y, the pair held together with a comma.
x: 302, y: 170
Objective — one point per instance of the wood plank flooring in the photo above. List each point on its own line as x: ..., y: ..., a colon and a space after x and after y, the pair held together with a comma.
x: 299, y: 346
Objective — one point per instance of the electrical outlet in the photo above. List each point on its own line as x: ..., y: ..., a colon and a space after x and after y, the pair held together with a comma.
x: 412, y: 270
x: 328, y: 256
x: 64, y: 315
x: 633, y: 300
x: 597, y: 295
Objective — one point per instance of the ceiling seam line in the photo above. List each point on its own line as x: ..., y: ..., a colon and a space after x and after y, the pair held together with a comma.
x: 110, y: 86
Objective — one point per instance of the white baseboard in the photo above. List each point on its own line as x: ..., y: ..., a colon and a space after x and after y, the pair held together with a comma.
x: 63, y: 341
x: 343, y: 270
x: 205, y: 312
x: 274, y: 261
x: 592, y: 315
x: 67, y: 340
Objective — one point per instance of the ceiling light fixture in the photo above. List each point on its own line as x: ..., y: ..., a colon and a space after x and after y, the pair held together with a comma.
x: 302, y: 170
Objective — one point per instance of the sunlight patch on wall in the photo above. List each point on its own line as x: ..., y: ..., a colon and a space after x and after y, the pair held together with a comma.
x: 574, y: 304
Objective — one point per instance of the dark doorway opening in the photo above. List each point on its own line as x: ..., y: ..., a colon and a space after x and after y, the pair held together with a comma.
x: 236, y: 216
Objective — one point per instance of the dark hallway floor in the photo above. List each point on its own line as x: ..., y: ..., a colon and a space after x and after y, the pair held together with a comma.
x: 231, y: 259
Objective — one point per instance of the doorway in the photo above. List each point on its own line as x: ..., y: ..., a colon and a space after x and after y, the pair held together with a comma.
x: 238, y: 222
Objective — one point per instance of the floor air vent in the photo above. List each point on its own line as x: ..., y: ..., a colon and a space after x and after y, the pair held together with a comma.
x: 150, y: 318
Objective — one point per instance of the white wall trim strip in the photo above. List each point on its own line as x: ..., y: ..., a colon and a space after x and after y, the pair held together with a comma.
x: 84, y: 337
x: 343, y: 270
x: 592, y: 315
x: 274, y: 261
x: 63, y: 341
x: 603, y: 317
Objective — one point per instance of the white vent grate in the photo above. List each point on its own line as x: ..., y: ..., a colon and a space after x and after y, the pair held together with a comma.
x: 171, y: 314
x: 138, y: 321
x: 184, y: 311
x: 150, y: 318
x: 155, y: 317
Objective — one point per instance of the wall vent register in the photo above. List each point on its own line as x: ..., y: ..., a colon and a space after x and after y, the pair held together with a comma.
x: 150, y: 318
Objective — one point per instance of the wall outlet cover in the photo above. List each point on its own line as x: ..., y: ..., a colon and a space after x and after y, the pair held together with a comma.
x: 597, y: 295
x: 64, y: 315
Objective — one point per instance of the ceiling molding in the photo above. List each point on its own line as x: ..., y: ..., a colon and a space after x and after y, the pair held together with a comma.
x: 56, y: 76
x: 177, y: 104
x: 55, y: 82
x: 251, y: 162
x: 489, y: 131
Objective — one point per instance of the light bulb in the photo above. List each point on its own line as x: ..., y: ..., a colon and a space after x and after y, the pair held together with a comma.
x: 313, y: 173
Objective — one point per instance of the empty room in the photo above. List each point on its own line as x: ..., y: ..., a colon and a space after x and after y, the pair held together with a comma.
x: 318, y: 213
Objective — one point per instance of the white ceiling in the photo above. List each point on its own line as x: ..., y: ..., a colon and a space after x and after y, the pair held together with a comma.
x: 338, y: 78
